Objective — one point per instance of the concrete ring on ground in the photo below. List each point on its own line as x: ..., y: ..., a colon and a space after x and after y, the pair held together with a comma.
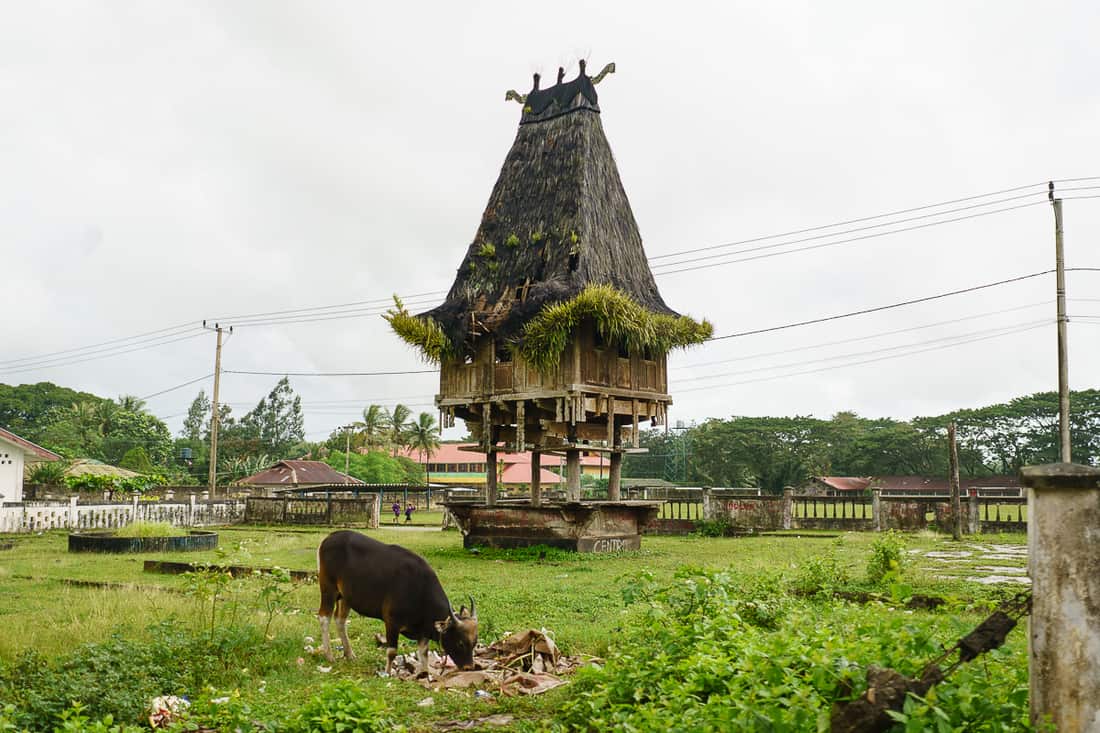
x: 107, y: 541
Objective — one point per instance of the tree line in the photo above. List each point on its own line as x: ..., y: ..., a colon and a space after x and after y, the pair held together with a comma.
x: 773, y: 452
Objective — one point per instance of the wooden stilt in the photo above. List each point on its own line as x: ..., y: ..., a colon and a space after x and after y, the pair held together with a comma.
x: 536, y: 478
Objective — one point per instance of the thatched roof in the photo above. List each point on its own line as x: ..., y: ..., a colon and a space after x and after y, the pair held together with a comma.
x: 85, y: 466
x: 558, y: 221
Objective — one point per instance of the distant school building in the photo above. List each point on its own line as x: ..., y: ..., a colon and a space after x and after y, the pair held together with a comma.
x: 451, y: 464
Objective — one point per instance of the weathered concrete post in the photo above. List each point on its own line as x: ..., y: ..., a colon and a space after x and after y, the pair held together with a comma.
x: 74, y: 514
x: 708, y: 504
x: 974, y: 518
x: 788, y: 506
x: 376, y: 510
x: 876, y: 509
x: 1063, y: 538
x: 134, y: 507
x: 536, y: 478
x: 573, y: 474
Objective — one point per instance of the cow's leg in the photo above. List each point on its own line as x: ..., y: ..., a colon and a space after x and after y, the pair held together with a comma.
x: 341, y: 619
x: 422, y: 657
x: 392, y: 635
x: 329, y: 597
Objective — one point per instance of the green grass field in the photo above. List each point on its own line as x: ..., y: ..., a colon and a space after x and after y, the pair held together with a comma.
x: 577, y: 597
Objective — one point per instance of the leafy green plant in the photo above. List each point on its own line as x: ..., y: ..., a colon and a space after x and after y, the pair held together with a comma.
x: 886, y: 557
x: 512, y: 241
x: 487, y: 250
x: 342, y: 707
x: 536, y: 237
x: 275, y: 589
x: 818, y: 575
x: 49, y: 473
x: 713, y: 527
x: 423, y: 333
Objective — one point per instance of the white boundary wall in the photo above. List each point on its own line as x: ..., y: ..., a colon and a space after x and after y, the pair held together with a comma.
x: 39, y: 516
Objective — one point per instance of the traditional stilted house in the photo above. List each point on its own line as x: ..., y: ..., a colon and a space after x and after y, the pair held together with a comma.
x: 554, y: 337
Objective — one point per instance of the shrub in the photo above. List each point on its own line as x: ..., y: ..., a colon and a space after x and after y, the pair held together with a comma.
x: 150, y: 529
x: 886, y: 557
x: 713, y: 527
x: 818, y: 575
x: 341, y: 706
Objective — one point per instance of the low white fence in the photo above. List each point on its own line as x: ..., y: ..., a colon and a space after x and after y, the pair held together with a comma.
x: 39, y: 516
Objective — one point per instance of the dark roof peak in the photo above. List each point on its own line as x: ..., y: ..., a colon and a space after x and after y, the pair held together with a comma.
x: 562, y: 98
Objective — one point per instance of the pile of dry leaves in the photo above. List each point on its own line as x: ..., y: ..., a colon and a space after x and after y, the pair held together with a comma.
x: 524, y: 663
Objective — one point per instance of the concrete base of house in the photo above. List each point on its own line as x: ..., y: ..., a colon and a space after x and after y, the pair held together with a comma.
x: 588, y: 526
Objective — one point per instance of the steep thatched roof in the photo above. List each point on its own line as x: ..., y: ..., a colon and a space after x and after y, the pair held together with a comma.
x: 558, y: 222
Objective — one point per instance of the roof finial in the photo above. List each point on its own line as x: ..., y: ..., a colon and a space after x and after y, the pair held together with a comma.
x: 537, y: 77
x: 561, y: 74
x: 582, y: 63
x: 609, y: 69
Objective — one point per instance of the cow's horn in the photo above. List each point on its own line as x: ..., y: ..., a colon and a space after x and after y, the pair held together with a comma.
x: 473, y: 613
x: 454, y: 616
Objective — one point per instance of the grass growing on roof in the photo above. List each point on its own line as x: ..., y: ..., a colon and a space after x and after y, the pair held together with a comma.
x: 618, y: 318
x: 423, y: 333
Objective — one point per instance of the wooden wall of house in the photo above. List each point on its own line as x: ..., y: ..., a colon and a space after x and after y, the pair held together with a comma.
x: 585, y: 361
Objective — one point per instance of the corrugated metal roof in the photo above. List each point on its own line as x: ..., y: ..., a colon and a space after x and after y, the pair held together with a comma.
x: 299, y: 473
x: 845, y: 483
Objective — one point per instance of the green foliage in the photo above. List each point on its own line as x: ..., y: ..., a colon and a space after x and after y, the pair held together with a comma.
x: 487, y: 250
x: 512, y: 241
x: 537, y: 237
x: 49, y: 473
x: 342, y: 707
x: 423, y: 333
x: 198, y: 418
x: 819, y: 574
x: 885, y: 562
x: 91, y: 482
x: 137, y: 460
x: 618, y: 318
x: 150, y: 529
x: 716, y: 651
x: 376, y: 467
x: 27, y: 409
x: 276, y: 422
x: 713, y: 527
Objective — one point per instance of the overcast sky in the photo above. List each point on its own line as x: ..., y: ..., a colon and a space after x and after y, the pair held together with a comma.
x: 168, y: 162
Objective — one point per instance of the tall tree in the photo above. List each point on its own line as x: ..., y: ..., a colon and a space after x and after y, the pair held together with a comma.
x: 397, y: 423
x: 277, y: 419
x: 423, y: 437
x: 130, y: 403
x: 373, y: 428
x: 197, y: 416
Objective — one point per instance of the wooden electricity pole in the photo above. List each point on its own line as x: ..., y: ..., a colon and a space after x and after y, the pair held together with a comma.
x: 1063, y: 349
x: 956, y: 500
x: 215, y: 413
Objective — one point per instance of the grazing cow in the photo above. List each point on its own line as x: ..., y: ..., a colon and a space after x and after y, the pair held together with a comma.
x: 395, y: 585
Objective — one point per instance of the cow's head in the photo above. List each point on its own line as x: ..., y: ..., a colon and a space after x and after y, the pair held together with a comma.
x: 458, y: 636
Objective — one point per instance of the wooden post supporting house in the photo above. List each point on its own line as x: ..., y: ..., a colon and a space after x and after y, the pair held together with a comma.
x: 536, y: 478
x: 1063, y: 533
x: 554, y: 336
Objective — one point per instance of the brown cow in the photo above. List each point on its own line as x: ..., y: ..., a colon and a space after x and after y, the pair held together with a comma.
x: 395, y: 585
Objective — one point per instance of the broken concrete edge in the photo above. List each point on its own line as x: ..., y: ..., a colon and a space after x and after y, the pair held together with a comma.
x: 1060, y: 476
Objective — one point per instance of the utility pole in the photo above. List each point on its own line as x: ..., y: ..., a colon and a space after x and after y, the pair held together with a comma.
x: 1063, y: 348
x: 956, y: 500
x: 215, y: 413
x: 347, y: 448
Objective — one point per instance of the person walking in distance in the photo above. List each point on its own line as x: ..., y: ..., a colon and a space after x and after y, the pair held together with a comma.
x: 396, y: 512
x: 409, y: 509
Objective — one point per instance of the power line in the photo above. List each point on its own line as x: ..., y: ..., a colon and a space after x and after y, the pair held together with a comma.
x: 389, y: 300
x: 855, y: 221
x: 70, y: 362
x: 876, y: 309
x: 961, y: 338
x: 857, y: 363
x: 47, y: 356
x: 868, y: 337
x: 178, y: 386
x: 332, y: 374
x: 834, y: 243
x: 856, y: 229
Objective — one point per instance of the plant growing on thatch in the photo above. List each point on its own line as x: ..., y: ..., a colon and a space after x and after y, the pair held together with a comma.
x: 488, y: 249
x: 512, y: 241
x: 618, y: 318
x: 423, y: 333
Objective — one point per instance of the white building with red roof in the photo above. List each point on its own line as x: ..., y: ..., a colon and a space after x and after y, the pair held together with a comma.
x: 15, y: 453
x: 456, y: 464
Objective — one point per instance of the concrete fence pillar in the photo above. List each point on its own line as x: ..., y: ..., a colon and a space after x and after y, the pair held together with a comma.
x: 788, y: 507
x: 191, y: 512
x: 876, y: 509
x: 974, y: 517
x: 134, y: 507
x: 376, y: 511
x: 708, y: 504
x: 74, y: 513
x: 1063, y: 539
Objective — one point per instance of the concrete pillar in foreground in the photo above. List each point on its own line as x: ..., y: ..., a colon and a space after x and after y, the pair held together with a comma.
x: 573, y: 474
x: 788, y: 506
x: 1063, y: 538
x: 614, y: 477
x: 536, y: 478
x: 973, y: 518
x: 876, y: 509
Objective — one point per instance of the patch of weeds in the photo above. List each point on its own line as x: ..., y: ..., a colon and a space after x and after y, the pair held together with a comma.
x: 512, y: 241
x: 819, y: 575
x: 885, y: 562
x: 487, y: 250
x: 714, y: 527
x: 342, y: 706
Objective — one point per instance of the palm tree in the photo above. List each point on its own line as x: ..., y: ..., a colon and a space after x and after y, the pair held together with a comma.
x: 130, y: 403
x: 423, y: 436
x: 396, y: 425
x: 373, y: 427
